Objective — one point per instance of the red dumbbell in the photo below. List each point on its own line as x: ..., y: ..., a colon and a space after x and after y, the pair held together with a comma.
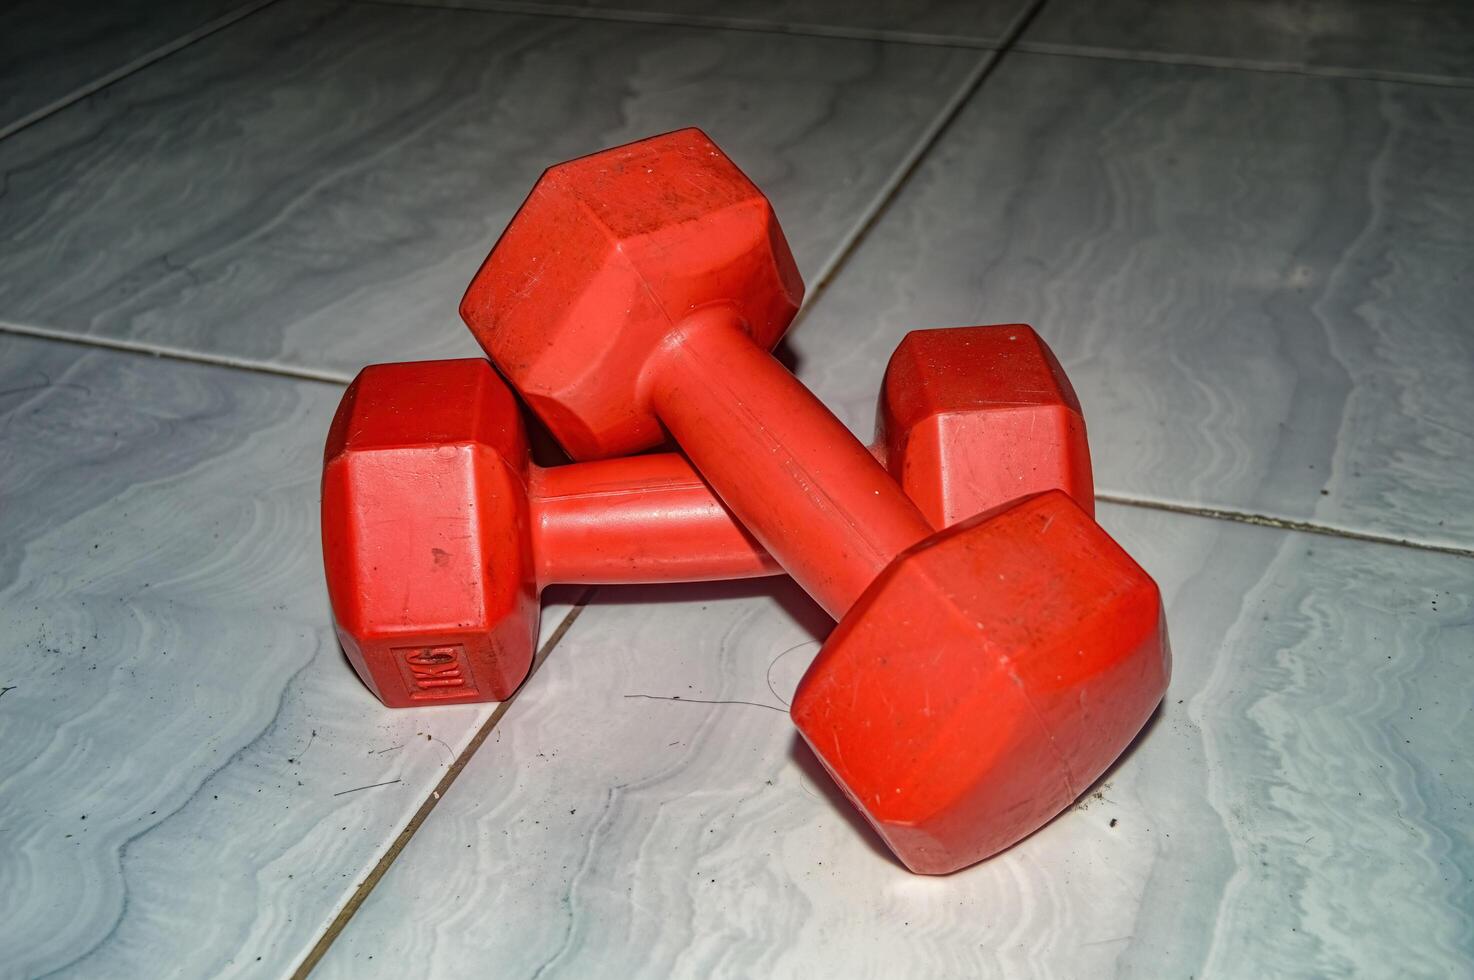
x: 981, y: 677
x: 438, y: 532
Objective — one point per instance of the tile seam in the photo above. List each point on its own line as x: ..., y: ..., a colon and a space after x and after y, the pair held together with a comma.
x: 401, y: 840
x: 1236, y: 516
x: 1231, y: 514
x: 931, y: 39
x: 928, y: 140
x: 132, y: 67
x: 703, y: 22
x: 1185, y: 60
x: 337, y: 378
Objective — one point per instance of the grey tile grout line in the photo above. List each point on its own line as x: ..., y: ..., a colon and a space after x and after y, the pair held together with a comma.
x: 1236, y: 516
x: 137, y: 64
x: 177, y: 354
x: 452, y: 773
x: 926, y: 39
x: 1184, y: 60
x: 709, y: 22
x: 872, y: 212
x: 342, y: 380
x: 928, y: 139
x: 338, y: 380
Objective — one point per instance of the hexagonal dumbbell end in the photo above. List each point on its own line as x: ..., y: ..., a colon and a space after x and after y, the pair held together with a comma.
x: 985, y: 680
x: 431, y: 580
x: 604, y: 256
x: 978, y: 415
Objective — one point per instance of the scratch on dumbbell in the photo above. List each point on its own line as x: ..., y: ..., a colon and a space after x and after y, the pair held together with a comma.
x: 662, y: 697
x: 10, y: 687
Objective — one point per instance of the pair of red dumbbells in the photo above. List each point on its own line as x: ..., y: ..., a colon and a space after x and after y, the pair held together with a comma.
x: 996, y: 650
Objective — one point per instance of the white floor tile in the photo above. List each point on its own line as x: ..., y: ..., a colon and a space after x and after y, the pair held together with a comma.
x: 316, y: 186
x: 183, y: 738
x: 1258, y: 283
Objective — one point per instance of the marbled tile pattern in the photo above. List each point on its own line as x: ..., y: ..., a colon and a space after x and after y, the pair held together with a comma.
x: 49, y: 49
x: 320, y: 182
x: 1431, y: 38
x: 1260, y: 284
x: 1302, y: 802
x: 983, y: 22
x: 177, y: 718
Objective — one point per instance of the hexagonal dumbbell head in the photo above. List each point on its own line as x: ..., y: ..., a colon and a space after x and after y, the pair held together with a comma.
x: 985, y: 680
x: 431, y: 578
x: 603, y: 258
x: 975, y: 416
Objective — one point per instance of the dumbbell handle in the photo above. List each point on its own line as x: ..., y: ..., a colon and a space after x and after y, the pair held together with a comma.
x: 637, y: 519
x: 800, y: 482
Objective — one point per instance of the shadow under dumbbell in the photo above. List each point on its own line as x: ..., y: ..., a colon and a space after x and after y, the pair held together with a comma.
x: 815, y: 777
x: 817, y: 780
x: 787, y: 356
x: 798, y: 607
x: 1100, y: 784
x: 1096, y: 790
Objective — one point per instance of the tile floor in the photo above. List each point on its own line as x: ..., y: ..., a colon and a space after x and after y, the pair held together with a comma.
x: 1246, y: 233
